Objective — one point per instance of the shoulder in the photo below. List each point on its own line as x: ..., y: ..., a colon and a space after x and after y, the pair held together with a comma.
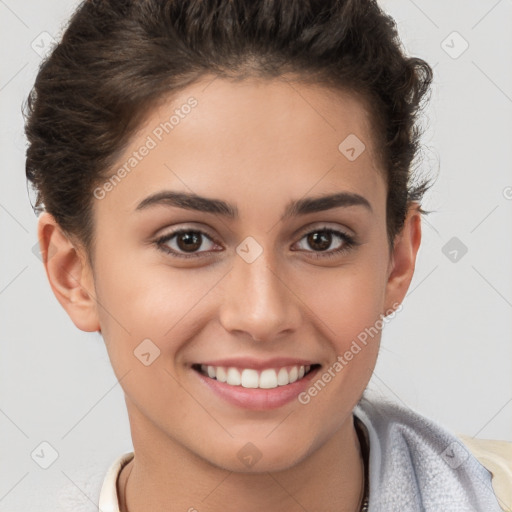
x: 496, y: 456
x: 416, y: 464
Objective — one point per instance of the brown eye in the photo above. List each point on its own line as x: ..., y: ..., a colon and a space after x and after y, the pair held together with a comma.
x: 184, y: 243
x: 321, y: 239
x: 190, y: 241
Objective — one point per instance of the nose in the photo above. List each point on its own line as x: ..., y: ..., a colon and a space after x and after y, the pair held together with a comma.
x: 259, y: 300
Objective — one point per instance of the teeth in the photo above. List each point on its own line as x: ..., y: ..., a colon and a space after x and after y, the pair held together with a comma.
x: 249, y: 378
x: 282, y: 377
x: 268, y: 379
x: 220, y: 374
x: 234, y: 377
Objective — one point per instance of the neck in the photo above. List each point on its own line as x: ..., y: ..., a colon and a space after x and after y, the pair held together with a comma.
x: 164, y: 473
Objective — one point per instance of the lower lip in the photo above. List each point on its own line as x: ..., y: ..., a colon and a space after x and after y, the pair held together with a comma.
x: 255, y: 398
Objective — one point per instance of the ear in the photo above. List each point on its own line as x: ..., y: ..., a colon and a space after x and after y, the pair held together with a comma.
x: 403, y: 259
x: 69, y: 274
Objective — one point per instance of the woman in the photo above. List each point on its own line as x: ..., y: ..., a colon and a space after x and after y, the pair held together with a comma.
x: 228, y: 199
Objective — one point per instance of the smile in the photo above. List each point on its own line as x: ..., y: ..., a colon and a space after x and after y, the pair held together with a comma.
x: 268, y: 378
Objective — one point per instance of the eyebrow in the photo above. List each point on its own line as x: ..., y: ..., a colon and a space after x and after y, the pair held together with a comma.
x: 298, y: 207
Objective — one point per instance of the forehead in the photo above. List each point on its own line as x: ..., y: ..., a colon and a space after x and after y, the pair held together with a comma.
x: 275, y: 137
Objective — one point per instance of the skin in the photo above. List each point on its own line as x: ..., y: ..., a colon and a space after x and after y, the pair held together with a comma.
x: 258, y: 145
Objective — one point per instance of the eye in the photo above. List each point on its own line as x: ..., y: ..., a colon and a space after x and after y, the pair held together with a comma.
x: 187, y: 241
x: 321, y: 239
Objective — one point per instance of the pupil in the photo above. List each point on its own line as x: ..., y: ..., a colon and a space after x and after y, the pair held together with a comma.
x: 192, y: 241
x: 321, y: 238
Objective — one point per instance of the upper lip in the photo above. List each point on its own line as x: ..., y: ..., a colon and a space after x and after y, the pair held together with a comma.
x: 258, y: 364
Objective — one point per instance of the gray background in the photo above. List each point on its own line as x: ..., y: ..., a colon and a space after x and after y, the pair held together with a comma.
x: 448, y: 354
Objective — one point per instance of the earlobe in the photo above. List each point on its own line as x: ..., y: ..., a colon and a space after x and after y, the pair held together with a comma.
x: 68, y: 273
x: 403, y: 259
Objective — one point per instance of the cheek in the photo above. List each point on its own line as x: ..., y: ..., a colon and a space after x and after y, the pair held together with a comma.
x: 146, y: 318
x: 139, y: 301
x: 347, y: 301
x: 347, y: 305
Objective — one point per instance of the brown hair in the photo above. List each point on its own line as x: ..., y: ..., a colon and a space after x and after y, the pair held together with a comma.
x: 118, y: 58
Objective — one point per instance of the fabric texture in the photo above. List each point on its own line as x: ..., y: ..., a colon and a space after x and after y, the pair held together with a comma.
x: 416, y: 465
x: 496, y: 456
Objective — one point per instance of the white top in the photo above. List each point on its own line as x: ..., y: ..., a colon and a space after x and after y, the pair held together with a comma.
x: 415, y: 465
x: 109, y: 500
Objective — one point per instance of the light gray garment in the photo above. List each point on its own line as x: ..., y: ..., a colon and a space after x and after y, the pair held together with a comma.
x: 417, y: 465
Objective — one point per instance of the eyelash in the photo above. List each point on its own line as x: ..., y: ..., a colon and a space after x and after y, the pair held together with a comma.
x: 349, y: 242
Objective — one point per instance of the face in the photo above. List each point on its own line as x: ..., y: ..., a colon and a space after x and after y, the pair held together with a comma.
x: 214, y: 248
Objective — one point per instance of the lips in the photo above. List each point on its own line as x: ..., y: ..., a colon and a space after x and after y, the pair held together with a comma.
x: 256, y: 388
x: 258, y: 398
